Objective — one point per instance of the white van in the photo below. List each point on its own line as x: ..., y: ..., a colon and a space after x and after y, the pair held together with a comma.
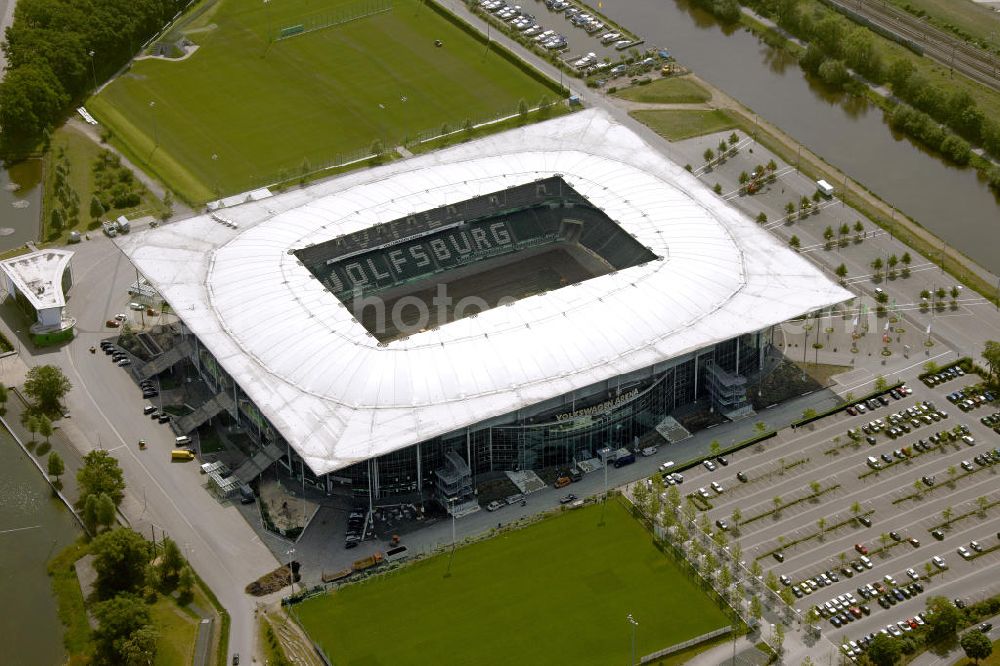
x: 183, y: 440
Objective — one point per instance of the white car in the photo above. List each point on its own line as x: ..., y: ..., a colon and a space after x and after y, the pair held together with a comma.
x: 939, y: 562
x: 912, y: 574
x: 965, y: 552
x: 703, y: 493
x: 709, y: 465
x: 717, y: 487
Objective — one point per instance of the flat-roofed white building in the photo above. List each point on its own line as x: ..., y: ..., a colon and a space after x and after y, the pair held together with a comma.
x: 38, y: 282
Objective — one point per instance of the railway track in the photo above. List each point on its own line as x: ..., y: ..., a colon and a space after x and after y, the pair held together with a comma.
x: 975, y: 63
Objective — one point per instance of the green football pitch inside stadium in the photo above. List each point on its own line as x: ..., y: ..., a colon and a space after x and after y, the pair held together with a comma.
x: 556, y: 592
x: 242, y: 111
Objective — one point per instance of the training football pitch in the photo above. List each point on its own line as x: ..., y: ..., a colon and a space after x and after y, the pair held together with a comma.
x: 242, y: 111
x: 557, y: 592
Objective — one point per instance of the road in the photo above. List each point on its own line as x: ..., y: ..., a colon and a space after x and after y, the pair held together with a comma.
x: 6, y: 17
x: 106, y: 412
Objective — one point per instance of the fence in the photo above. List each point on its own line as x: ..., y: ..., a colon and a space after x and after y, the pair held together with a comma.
x: 721, y: 631
x: 342, y: 15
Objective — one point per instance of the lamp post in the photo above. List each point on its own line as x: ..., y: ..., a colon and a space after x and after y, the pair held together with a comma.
x: 632, y: 621
x: 156, y: 133
x: 291, y: 574
x: 93, y: 71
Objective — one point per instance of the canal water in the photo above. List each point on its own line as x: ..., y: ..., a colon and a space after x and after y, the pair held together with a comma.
x: 955, y: 204
x: 20, y: 203
x: 33, y: 526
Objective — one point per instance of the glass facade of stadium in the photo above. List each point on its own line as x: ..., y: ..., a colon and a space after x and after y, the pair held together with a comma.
x: 556, y: 432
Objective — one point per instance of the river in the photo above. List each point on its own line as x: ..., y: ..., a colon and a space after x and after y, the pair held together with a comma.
x: 955, y: 204
x: 33, y: 526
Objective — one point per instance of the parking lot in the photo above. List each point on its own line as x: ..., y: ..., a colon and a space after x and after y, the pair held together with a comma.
x: 827, y: 488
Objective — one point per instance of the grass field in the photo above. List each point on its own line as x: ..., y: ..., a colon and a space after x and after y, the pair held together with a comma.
x: 676, y: 125
x: 241, y: 111
x: 675, y: 90
x: 556, y: 592
x: 176, y: 633
x: 81, y: 153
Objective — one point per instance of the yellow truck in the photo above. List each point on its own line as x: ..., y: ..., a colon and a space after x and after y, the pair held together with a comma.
x: 180, y: 455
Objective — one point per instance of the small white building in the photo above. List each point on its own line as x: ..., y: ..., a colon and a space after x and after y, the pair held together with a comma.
x: 38, y: 283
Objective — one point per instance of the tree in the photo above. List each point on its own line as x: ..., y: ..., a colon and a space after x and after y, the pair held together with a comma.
x: 168, y: 205
x: 44, y: 427
x: 46, y: 385
x: 877, y: 265
x: 771, y: 581
x: 56, y: 466
x: 976, y: 645
x: 640, y: 494
x: 117, y: 620
x: 815, y: 487
x: 884, y: 539
x: 809, y: 413
x: 880, y: 383
x: 736, y: 517
x: 756, y: 611
x: 856, y: 508
x: 120, y: 560
x: 760, y: 427
x: 715, y: 448
x: 821, y: 523
x: 947, y: 514
x: 982, y: 503
x: 31, y: 423
x: 709, y: 155
x: 96, y: 208
x: 139, y: 649
x: 943, y: 619
x: 859, y: 229
x: 779, y: 638
x: 828, y: 235
x: 884, y: 650
x: 789, y: 209
x: 762, y: 218
x: 185, y: 585
x: 755, y: 569
x: 777, y: 502
x: 991, y: 353
x: 100, y: 474
x: 794, y: 242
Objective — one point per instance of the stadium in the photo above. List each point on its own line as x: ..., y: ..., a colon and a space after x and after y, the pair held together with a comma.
x: 518, y: 302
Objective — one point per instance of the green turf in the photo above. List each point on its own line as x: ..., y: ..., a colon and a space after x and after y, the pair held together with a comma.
x: 676, y: 125
x: 557, y: 592
x: 675, y: 90
x: 241, y: 112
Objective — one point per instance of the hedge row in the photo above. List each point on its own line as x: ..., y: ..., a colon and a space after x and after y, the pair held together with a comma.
x: 844, y: 406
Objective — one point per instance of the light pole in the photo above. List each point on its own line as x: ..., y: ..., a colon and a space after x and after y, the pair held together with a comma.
x: 632, y: 621
x: 291, y: 574
x: 156, y: 133
x: 451, y: 558
x: 93, y: 71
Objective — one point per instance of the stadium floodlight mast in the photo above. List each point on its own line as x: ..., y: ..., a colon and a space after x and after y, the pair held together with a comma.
x: 635, y: 625
x: 291, y: 574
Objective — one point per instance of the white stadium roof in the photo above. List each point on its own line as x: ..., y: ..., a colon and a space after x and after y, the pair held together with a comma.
x: 338, y: 397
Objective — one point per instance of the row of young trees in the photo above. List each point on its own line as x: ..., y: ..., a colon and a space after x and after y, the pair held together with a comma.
x: 57, y: 50
x: 836, y: 44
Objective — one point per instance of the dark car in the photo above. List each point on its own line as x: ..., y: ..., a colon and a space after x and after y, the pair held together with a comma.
x: 985, y: 627
x: 779, y: 556
x: 566, y: 499
x: 865, y: 520
x: 742, y: 477
x: 938, y: 534
x: 871, y: 440
x: 722, y: 460
x: 163, y: 418
x: 895, y: 536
